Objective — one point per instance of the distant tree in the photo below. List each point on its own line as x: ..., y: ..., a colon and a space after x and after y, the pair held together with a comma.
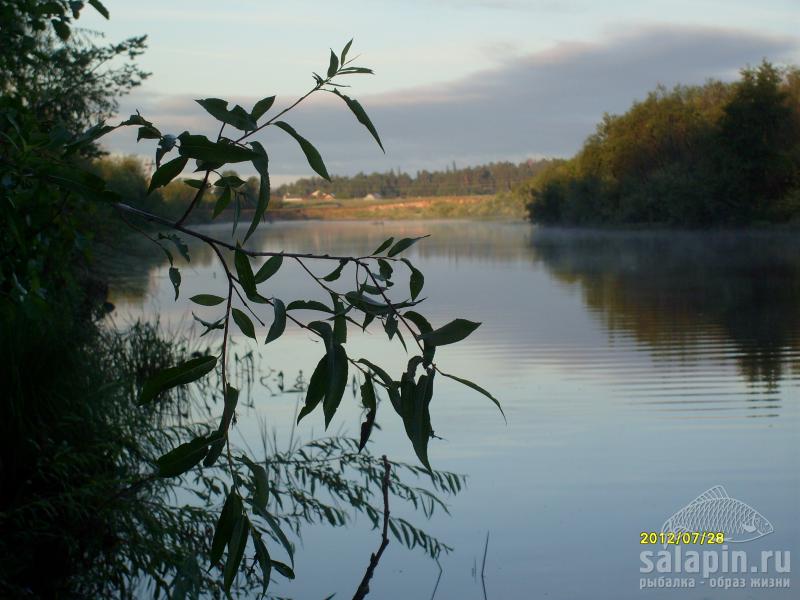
x: 759, y: 135
x: 691, y: 156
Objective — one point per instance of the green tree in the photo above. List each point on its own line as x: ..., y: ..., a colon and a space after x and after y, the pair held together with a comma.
x: 758, y: 135
x: 717, y: 154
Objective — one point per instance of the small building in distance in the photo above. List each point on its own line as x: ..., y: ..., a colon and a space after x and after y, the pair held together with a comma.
x: 320, y: 195
x: 374, y: 196
x: 287, y: 199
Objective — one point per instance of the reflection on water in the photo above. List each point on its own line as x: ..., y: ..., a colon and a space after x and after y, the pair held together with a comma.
x: 629, y: 366
x: 684, y: 295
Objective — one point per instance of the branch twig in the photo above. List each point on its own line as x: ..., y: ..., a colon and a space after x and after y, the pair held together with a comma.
x: 483, y: 566
x: 363, y: 587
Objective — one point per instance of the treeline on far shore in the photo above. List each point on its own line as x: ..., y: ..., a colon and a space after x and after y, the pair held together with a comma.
x: 720, y: 154
x: 129, y: 176
x: 491, y: 178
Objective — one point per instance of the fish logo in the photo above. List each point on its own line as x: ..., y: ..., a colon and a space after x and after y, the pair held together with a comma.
x: 714, y: 510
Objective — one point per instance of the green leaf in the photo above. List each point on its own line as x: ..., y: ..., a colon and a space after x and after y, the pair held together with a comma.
x: 233, y: 181
x: 312, y: 156
x: 261, y: 107
x: 368, y: 318
x: 167, y: 172
x: 383, y: 375
x: 325, y: 331
x: 278, y: 323
x: 244, y: 323
x: 231, y: 400
x: 388, y: 382
x: 183, y: 373
x: 369, y: 402
x: 175, y: 278
x: 384, y: 245
x: 353, y: 70
x: 334, y: 275
x: 360, y: 114
x: 222, y: 202
x: 201, y: 148
x: 244, y: 271
x: 98, y: 6
x: 237, y: 211
x: 136, y: 119
x: 343, y: 55
x: 237, y: 116
x: 148, y: 133
x: 228, y: 516
x: 269, y: 268
x: 333, y: 66
x: 179, y: 244
x: 417, y: 280
x: 455, y: 331
x: 283, y: 569
x: 337, y: 382
x: 260, y: 483
x: 385, y: 269
x: 339, y: 321
x: 477, y: 388
x: 417, y: 319
x: 262, y: 166
x: 308, y: 305
x: 264, y: 561
x: 207, y: 299
x: 214, y: 452
x: 367, y: 305
x: 390, y: 326
x: 236, y: 547
x: 404, y: 244
x: 179, y: 460
x: 276, y: 529
x: 416, y: 415
x: 316, y: 388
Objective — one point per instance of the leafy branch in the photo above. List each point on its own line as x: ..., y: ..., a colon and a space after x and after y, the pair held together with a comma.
x: 247, y: 517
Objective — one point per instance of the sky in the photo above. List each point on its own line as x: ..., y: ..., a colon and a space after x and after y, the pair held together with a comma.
x: 464, y: 81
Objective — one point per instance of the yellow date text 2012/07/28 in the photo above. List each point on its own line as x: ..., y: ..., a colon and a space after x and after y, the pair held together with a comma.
x: 685, y: 537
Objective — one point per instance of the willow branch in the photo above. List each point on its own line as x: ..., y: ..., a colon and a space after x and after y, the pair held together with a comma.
x: 363, y: 587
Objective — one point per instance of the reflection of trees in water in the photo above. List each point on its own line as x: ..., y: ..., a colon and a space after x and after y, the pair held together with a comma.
x: 680, y: 291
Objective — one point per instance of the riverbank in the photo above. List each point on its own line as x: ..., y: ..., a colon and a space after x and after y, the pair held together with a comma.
x: 499, y: 207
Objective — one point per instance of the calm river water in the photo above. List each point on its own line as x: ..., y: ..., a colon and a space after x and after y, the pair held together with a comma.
x: 636, y: 370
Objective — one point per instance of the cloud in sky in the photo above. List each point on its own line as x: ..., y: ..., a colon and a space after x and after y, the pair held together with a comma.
x: 540, y: 104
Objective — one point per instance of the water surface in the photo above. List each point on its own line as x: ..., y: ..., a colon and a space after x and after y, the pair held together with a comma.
x: 636, y: 371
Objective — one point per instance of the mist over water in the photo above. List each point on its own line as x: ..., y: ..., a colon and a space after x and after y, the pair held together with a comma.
x: 637, y: 370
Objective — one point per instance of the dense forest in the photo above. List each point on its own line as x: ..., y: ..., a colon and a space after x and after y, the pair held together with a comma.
x: 484, y: 179
x: 696, y: 156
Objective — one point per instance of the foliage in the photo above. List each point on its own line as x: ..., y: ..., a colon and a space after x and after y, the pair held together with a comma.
x: 716, y: 154
x: 57, y: 71
x: 55, y: 83
x: 51, y: 197
x: 90, y: 506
